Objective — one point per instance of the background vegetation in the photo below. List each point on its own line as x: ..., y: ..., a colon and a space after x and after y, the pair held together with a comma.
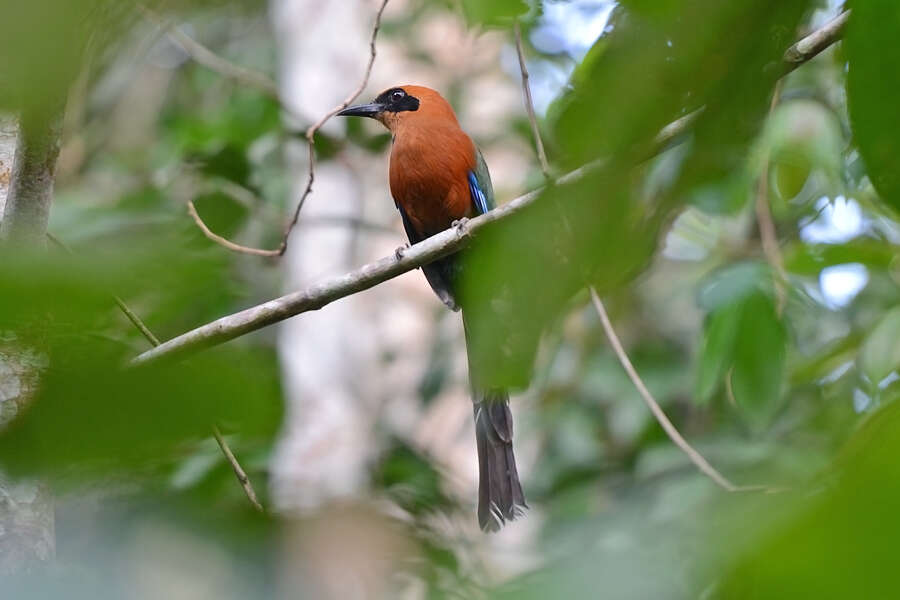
x: 749, y: 266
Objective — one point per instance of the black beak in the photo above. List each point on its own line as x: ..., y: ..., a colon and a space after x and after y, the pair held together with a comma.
x: 362, y: 110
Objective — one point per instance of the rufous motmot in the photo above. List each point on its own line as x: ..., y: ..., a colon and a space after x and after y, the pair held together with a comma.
x: 438, y: 177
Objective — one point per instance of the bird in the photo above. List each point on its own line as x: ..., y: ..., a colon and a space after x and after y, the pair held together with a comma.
x: 438, y: 178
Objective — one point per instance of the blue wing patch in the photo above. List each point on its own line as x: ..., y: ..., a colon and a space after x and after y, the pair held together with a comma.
x: 478, y: 197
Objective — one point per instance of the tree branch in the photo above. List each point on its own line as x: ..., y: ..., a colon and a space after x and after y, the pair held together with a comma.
x: 370, y: 275
x: 815, y: 42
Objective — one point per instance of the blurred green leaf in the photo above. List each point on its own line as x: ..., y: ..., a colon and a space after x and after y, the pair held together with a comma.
x: 494, y: 12
x: 518, y: 276
x: 92, y: 415
x: 734, y: 283
x: 872, y: 50
x: 838, y: 542
x: 718, y: 347
x: 410, y: 480
x: 810, y: 259
x: 759, y: 360
x: 746, y: 341
x: 880, y: 352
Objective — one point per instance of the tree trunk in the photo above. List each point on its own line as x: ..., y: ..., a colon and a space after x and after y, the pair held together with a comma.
x: 27, y: 537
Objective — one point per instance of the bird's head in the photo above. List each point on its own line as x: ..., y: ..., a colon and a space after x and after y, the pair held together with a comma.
x: 404, y: 105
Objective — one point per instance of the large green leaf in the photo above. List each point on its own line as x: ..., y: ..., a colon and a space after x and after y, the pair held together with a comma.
x: 874, y: 94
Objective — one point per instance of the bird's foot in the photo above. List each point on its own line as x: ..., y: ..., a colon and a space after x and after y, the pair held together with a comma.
x: 460, y: 225
x: 400, y: 251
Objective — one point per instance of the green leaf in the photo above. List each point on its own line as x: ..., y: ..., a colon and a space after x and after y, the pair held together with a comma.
x: 718, y: 347
x: 880, y: 352
x: 873, y: 95
x: 734, y: 283
x: 746, y: 341
x: 494, y: 12
x: 759, y: 361
x: 810, y: 259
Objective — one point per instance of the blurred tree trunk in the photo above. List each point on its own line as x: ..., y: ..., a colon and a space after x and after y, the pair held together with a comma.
x: 327, y: 441
x: 28, y: 154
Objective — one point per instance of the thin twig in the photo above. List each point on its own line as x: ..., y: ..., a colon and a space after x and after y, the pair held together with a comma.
x: 654, y: 407
x: 767, y: 233
x: 529, y: 105
x: 319, y: 295
x: 192, y: 210
x: 815, y: 42
x: 136, y: 321
x: 314, y: 128
x: 238, y: 471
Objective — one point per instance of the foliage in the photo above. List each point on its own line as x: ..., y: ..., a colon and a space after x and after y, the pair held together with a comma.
x: 787, y: 383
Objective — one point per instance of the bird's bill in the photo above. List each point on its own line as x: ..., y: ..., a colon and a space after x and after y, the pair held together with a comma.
x: 362, y: 110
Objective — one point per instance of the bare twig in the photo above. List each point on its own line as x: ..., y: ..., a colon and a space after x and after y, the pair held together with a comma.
x: 654, y: 407
x: 314, y: 128
x: 815, y: 42
x: 192, y: 210
x: 370, y: 275
x: 136, y: 321
x: 767, y: 234
x: 529, y: 105
x: 238, y: 471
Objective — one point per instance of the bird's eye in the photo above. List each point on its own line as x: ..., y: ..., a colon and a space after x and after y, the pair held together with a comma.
x: 397, y: 95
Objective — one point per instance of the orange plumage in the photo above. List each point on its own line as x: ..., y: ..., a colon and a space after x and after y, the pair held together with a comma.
x: 430, y: 161
x: 437, y: 176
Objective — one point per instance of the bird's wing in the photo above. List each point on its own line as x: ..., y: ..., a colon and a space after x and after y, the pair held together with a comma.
x: 480, y: 185
x: 439, y: 273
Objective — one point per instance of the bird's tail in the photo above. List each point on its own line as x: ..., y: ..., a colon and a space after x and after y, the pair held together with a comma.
x: 500, y: 496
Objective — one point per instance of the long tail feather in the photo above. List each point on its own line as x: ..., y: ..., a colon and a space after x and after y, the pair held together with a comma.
x: 500, y: 496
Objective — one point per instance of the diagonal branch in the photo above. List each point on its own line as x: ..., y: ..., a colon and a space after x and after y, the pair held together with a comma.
x: 814, y: 43
x: 654, y: 407
x: 370, y: 275
x: 238, y: 470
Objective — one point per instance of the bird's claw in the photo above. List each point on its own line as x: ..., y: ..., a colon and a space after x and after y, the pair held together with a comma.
x: 400, y: 251
x: 460, y: 225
